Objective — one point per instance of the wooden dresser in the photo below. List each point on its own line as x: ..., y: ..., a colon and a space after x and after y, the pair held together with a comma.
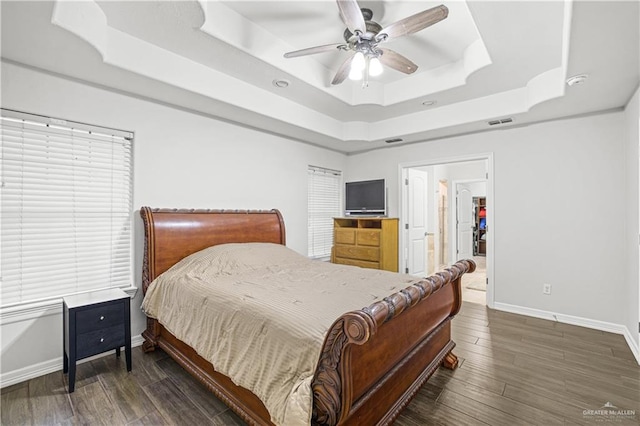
x: 366, y: 242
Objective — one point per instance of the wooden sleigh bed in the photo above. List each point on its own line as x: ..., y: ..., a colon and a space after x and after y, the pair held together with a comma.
x: 373, y: 360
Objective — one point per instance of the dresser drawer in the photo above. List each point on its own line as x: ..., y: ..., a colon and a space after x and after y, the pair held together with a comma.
x: 368, y: 237
x: 359, y: 253
x: 99, y: 317
x: 360, y: 263
x: 345, y: 236
x: 99, y: 341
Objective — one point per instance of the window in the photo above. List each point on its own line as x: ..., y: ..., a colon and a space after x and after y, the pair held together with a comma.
x: 65, y: 208
x: 323, y: 206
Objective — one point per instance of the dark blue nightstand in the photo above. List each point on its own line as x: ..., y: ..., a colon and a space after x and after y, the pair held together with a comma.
x: 94, y: 323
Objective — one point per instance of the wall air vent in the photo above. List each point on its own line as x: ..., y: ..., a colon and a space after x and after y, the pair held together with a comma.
x: 500, y: 121
x: 394, y: 140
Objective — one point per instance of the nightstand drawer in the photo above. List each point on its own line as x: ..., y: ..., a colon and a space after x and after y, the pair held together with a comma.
x: 100, y: 341
x: 99, y: 318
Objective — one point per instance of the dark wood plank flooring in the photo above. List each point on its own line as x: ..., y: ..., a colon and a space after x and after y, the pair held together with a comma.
x: 514, y: 370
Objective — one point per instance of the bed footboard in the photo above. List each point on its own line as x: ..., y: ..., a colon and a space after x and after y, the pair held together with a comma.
x: 375, y: 360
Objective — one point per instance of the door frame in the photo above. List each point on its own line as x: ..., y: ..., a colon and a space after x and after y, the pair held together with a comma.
x: 488, y: 156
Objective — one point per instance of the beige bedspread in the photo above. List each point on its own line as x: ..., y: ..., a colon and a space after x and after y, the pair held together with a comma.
x: 259, y: 313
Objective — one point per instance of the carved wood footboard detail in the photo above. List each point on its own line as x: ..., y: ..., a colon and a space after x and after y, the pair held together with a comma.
x: 450, y: 361
x: 354, y: 327
x: 331, y: 386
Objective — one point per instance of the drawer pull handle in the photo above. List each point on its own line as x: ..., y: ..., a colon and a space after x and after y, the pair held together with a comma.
x: 101, y: 317
x: 101, y: 339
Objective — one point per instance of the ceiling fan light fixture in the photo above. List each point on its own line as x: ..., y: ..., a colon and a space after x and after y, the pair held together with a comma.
x: 363, y: 35
x: 355, y: 74
x: 358, y: 62
x: 375, y: 67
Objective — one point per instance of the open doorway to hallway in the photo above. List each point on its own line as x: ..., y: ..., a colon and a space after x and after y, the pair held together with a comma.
x: 474, y: 286
x: 471, y: 234
x: 441, y: 205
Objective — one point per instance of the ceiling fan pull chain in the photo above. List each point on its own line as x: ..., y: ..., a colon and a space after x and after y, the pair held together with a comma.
x: 365, y: 78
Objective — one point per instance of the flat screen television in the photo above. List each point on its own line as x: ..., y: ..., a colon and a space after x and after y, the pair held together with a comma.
x: 366, y: 198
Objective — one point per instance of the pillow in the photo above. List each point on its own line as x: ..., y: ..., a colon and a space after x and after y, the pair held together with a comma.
x: 232, y: 258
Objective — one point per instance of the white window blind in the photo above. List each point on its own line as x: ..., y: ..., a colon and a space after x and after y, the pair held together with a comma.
x: 65, y: 208
x: 323, y: 205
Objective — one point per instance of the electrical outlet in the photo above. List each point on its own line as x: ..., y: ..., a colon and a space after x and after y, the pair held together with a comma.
x: 546, y: 288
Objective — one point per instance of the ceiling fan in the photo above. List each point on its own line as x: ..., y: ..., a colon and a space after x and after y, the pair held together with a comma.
x: 363, y: 37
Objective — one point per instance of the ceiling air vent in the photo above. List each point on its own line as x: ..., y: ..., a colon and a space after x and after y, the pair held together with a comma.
x: 500, y: 121
x: 394, y: 140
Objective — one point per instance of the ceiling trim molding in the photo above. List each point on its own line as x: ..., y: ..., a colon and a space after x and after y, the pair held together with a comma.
x: 256, y: 107
x: 122, y: 50
x: 516, y: 125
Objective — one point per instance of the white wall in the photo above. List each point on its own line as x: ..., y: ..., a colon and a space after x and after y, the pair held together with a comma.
x: 467, y: 170
x: 632, y: 157
x: 180, y: 160
x: 559, y: 211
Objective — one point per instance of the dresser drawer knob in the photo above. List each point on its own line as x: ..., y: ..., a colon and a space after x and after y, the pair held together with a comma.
x: 101, y: 339
x: 101, y: 317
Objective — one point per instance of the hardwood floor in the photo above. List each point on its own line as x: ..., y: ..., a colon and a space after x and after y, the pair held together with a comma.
x: 514, y: 370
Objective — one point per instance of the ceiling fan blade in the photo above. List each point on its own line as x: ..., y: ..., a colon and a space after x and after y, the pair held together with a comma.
x: 396, y: 61
x: 414, y: 23
x: 314, y: 50
x: 351, y: 15
x: 343, y: 71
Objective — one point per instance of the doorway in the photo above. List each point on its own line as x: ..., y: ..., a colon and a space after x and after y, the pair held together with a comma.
x: 449, y: 229
x: 471, y: 220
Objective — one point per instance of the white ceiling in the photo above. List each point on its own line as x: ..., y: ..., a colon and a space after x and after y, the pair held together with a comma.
x: 488, y: 60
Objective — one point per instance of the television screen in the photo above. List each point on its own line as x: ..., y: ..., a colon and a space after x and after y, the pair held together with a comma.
x: 365, y: 197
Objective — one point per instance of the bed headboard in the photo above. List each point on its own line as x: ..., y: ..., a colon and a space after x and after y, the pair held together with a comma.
x: 170, y: 235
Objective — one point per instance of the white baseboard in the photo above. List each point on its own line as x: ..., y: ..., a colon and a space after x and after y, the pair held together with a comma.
x: 573, y: 320
x: 50, y: 366
x: 633, y: 345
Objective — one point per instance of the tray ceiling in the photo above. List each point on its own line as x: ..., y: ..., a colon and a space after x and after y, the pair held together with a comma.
x: 486, y: 61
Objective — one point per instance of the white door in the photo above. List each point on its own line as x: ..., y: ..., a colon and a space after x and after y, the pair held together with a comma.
x: 464, y: 216
x: 417, y: 222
